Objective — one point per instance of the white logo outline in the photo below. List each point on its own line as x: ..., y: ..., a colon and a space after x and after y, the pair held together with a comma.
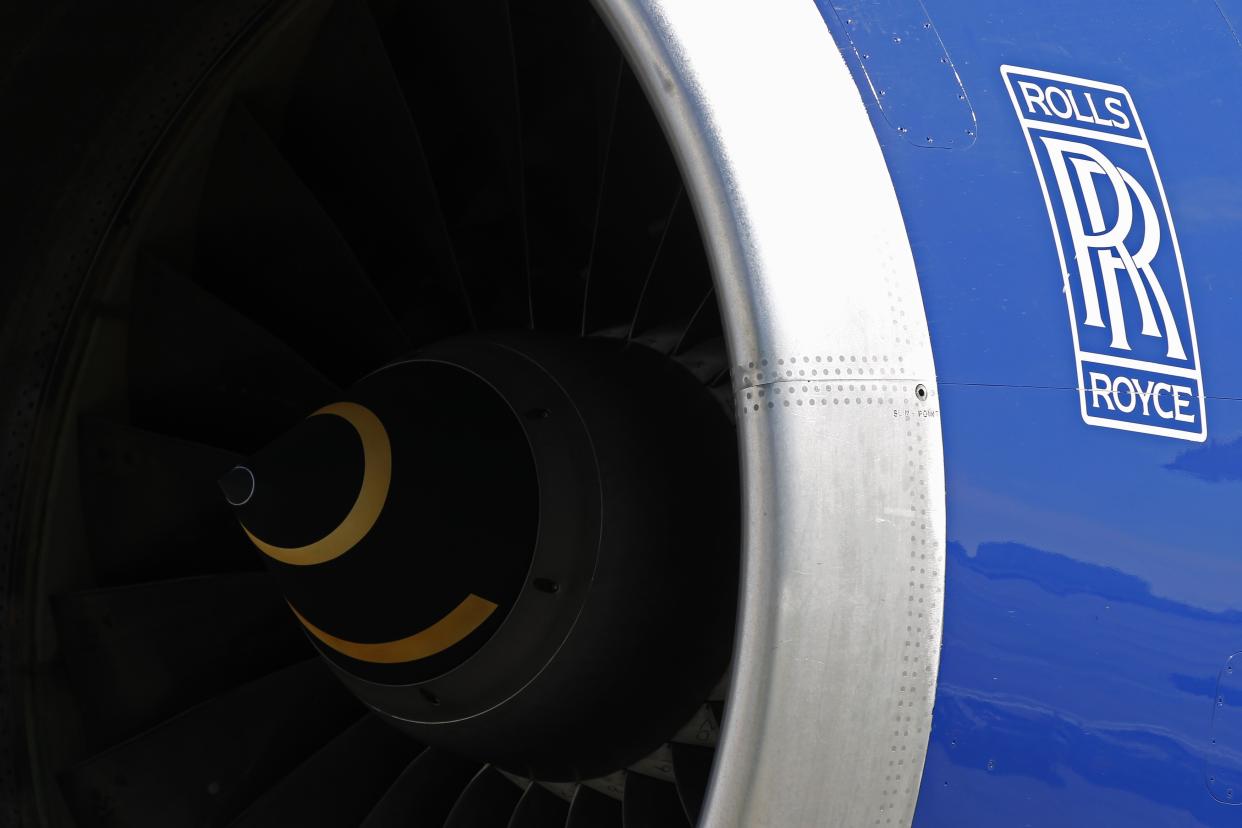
x: 1095, y: 239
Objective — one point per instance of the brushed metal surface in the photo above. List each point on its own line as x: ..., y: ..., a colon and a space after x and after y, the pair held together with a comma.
x: 844, y: 540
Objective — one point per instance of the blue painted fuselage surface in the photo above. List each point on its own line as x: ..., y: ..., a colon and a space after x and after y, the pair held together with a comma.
x: 1094, y: 576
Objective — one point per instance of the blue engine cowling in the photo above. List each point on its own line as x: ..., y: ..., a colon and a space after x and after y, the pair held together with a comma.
x: 1090, y: 672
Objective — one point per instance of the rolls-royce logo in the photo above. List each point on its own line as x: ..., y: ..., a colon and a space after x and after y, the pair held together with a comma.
x: 1124, y: 283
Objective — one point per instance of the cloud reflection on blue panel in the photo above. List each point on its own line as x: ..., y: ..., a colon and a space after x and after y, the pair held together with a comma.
x: 1058, y: 672
x: 1215, y: 462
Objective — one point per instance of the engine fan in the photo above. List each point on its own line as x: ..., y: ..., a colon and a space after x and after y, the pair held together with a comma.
x: 410, y: 401
x: 364, y: 254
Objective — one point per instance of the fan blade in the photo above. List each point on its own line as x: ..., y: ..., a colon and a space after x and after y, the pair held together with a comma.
x: 693, y: 768
x: 474, y: 149
x: 592, y: 809
x: 136, y: 655
x: 340, y: 783
x: 201, y: 370
x: 678, y: 288
x: 266, y: 247
x: 424, y: 793
x: 705, y: 360
x: 640, y: 198
x: 650, y: 803
x: 539, y: 808
x: 210, y: 762
x: 703, y: 328
x: 349, y: 134
x: 658, y: 764
x: 564, y: 83
x: 152, y: 507
x: 702, y: 729
x: 489, y: 800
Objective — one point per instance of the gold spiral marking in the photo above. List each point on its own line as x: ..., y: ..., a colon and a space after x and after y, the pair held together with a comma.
x: 376, y: 477
x: 462, y: 620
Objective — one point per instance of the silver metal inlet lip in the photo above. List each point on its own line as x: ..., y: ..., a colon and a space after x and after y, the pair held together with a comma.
x: 842, y: 460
